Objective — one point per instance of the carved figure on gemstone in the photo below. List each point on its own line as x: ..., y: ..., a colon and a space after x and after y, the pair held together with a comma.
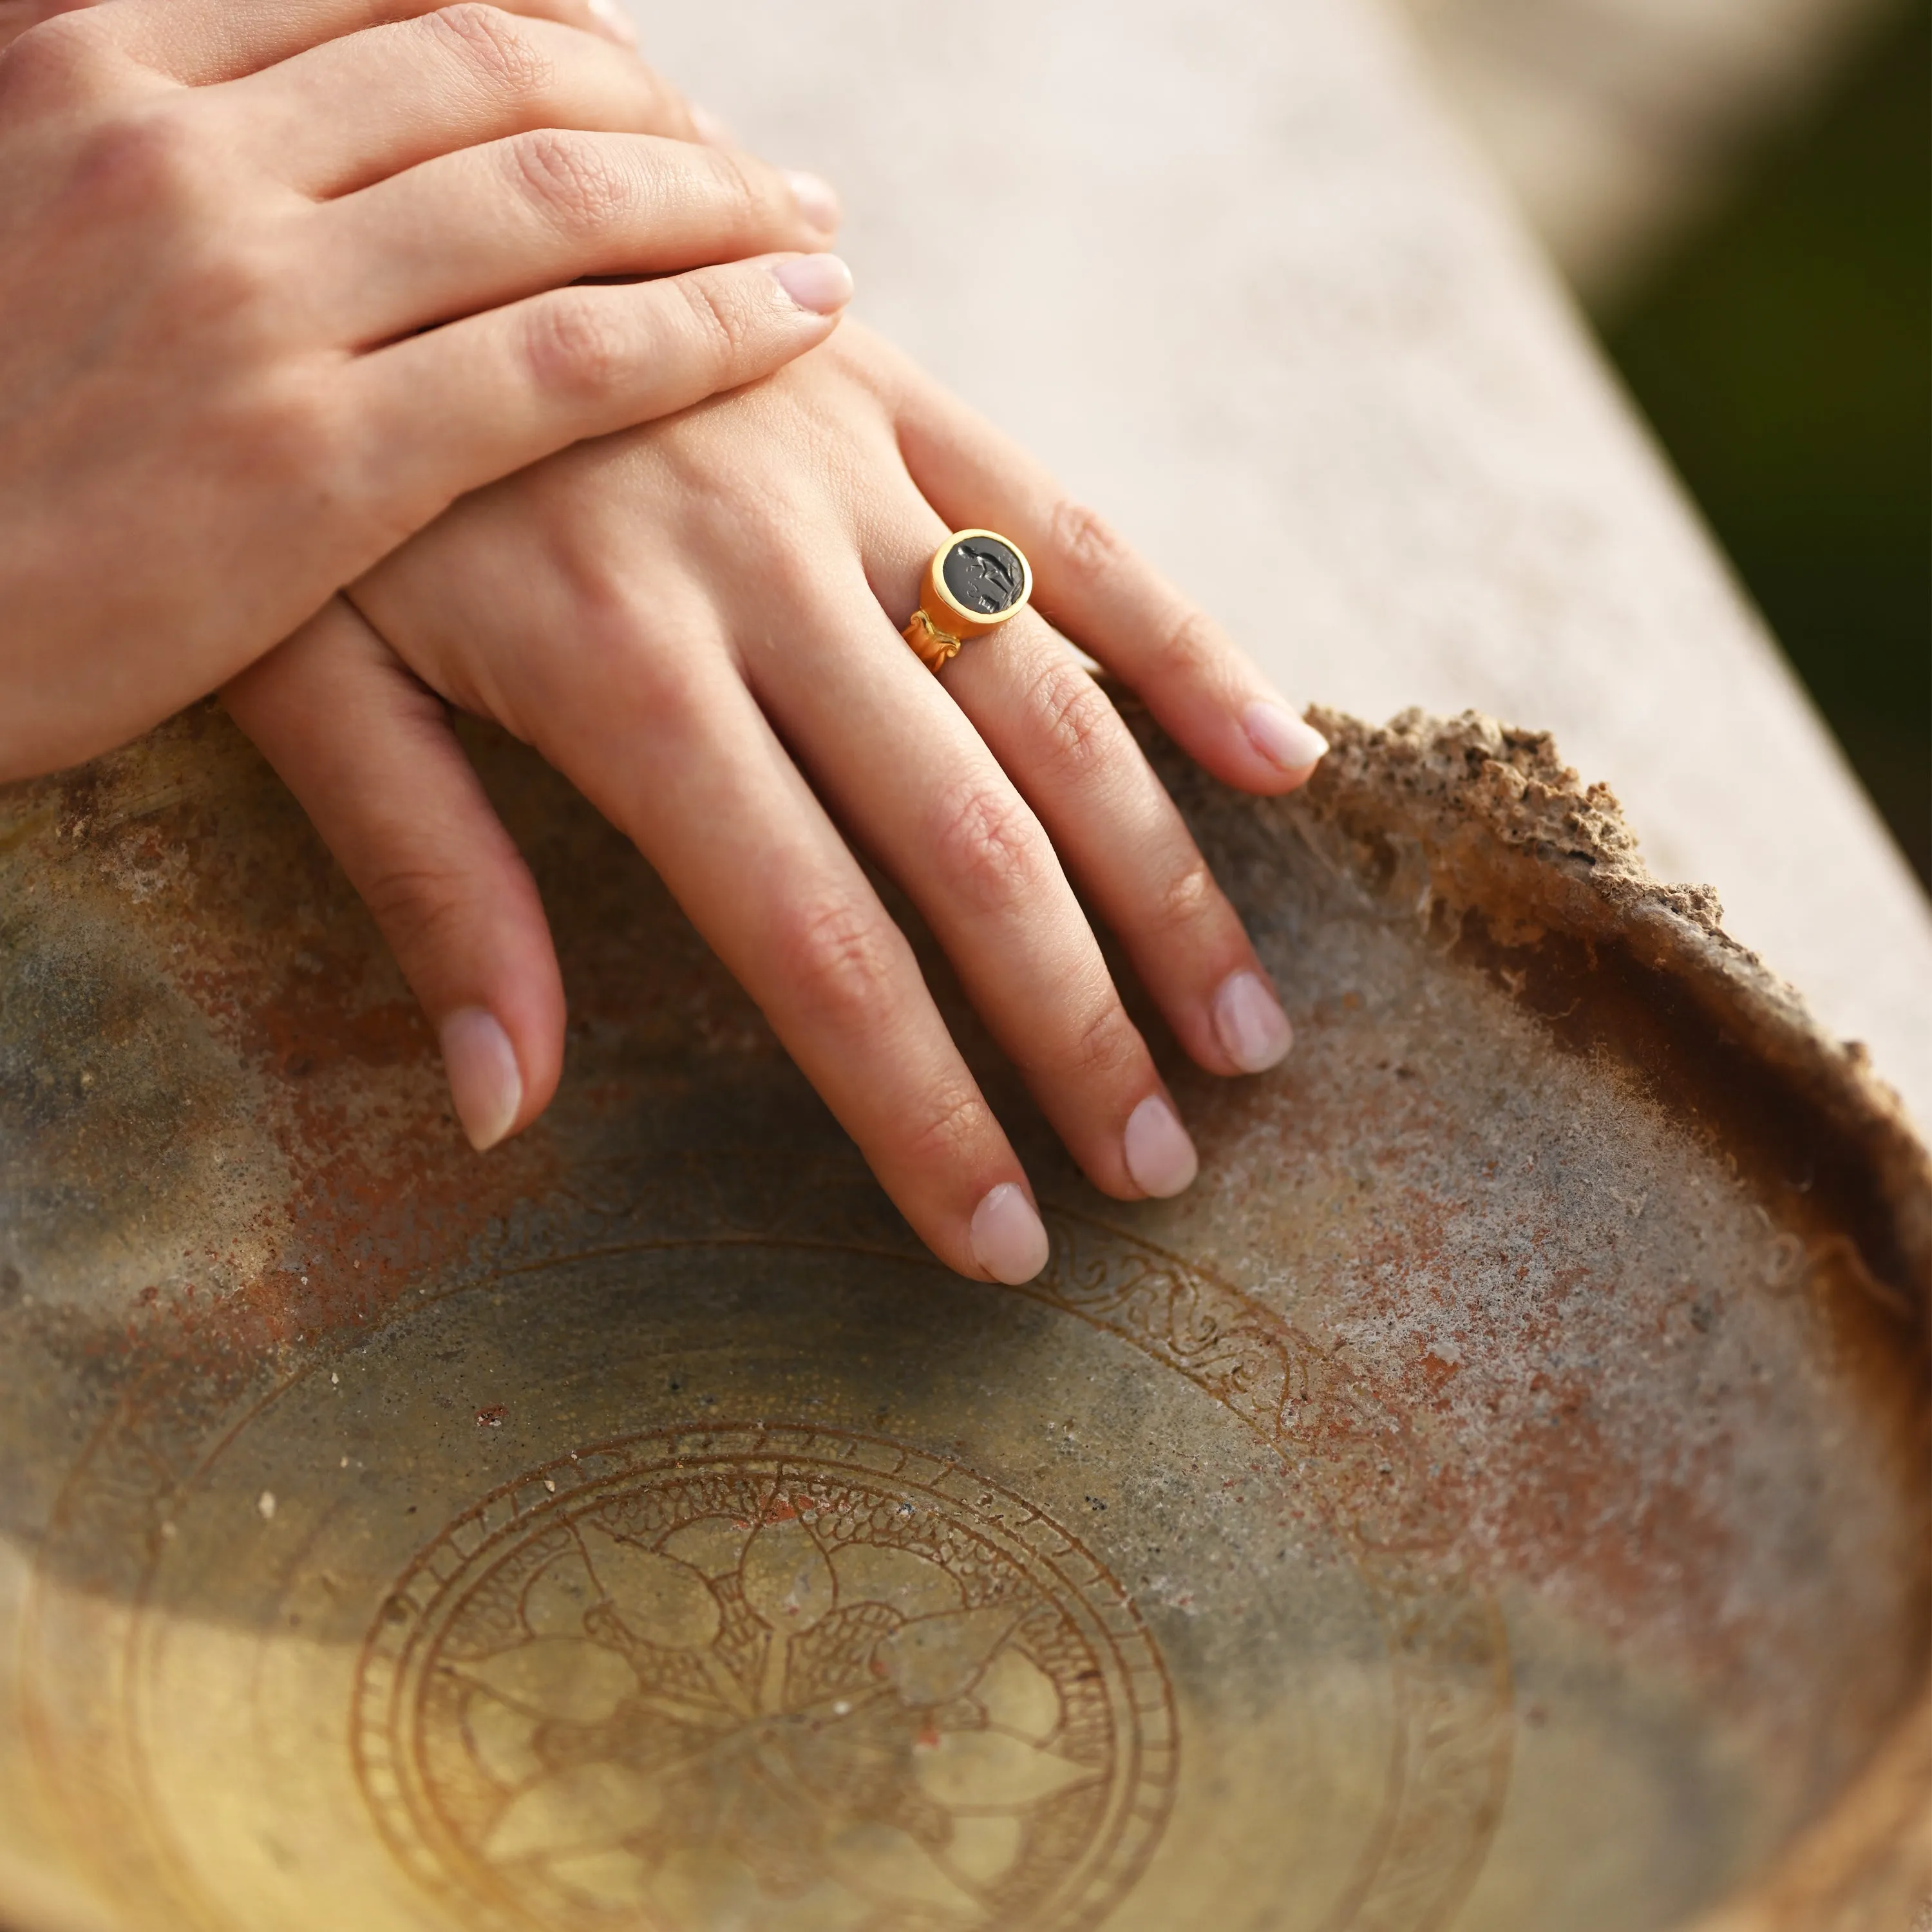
x: 985, y: 575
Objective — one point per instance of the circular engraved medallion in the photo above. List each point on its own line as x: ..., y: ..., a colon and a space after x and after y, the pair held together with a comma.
x: 985, y: 574
x: 765, y: 1677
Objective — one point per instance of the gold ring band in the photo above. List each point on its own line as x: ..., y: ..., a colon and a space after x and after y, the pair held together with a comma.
x: 977, y: 579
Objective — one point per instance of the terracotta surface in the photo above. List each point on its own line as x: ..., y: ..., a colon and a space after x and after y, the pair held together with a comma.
x: 1493, y: 1497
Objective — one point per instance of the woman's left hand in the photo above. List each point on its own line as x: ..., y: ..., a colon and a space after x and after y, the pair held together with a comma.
x: 268, y: 306
x: 673, y: 617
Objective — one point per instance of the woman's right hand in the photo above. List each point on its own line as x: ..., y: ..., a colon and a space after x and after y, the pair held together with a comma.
x: 270, y: 302
x: 698, y: 622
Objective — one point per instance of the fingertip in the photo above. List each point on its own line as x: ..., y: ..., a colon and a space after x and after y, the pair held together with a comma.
x: 1007, y: 1237
x: 1290, y: 746
x: 526, y: 993
x: 1254, y: 1032
x: 1159, y: 1151
x: 486, y: 1084
x: 820, y: 284
x: 1258, y: 746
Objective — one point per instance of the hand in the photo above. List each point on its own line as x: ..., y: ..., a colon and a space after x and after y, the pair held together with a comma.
x: 222, y: 396
x: 698, y: 622
x: 170, y: 35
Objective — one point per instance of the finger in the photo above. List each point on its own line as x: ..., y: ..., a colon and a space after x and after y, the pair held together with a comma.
x: 713, y: 129
x: 17, y: 16
x: 357, y: 110
x: 690, y: 769
x: 370, y: 754
x: 894, y: 757
x: 200, y: 42
x: 489, y: 225
x: 446, y: 412
x: 1110, y: 817
x: 1210, y: 696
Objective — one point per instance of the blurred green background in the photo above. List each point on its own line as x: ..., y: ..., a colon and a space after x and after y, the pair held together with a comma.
x: 1784, y: 356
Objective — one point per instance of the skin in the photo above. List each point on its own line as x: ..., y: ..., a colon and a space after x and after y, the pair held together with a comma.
x: 697, y: 622
x: 226, y: 233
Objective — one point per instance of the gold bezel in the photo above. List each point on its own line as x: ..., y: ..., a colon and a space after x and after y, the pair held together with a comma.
x: 980, y: 620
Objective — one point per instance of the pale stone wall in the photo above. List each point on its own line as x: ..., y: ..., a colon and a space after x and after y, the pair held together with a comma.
x: 1617, y: 123
x: 1262, y: 306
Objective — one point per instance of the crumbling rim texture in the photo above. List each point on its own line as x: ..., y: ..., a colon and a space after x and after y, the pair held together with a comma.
x: 1502, y: 820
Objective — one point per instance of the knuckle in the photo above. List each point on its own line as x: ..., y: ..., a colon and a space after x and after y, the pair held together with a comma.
x: 1189, y: 651
x: 737, y: 193
x: 1106, y: 1045
x: 725, y: 323
x: 568, y: 177
x: 290, y: 436
x: 1079, y: 726
x: 575, y: 346
x: 630, y: 655
x: 1189, y: 898
x: 236, y: 287
x: 423, y: 910
x: 665, y: 110
x: 149, y: 174
x: 495, y: 50
x: 951, y: 1126
x: 842, y: 957
x: 1083, y: 540
x: 55, y: 63
x: 782, y: 532
x: 989, y: 847
x: 149, y: 164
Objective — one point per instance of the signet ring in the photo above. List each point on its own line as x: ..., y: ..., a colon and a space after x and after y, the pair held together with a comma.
x: 977, y: 579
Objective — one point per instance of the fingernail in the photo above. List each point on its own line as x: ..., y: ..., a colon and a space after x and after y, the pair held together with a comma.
x: 615, y: 21
x: 1160, y: 1156
x: 1250, y: 1023
x: 1283, y: 739
x: 821, y: 284
x: 817, y: 200
x: 484, y: 1081
x: 711, y: 129
x: 1008, y: 1241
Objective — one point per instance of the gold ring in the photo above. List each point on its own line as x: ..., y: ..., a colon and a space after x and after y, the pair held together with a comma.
x: 977, y: 579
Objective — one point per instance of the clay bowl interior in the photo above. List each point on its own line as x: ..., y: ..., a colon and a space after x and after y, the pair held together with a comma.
x: 1492, y: 1497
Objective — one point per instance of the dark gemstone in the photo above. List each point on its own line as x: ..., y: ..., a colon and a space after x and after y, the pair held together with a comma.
x: 986, y: 575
